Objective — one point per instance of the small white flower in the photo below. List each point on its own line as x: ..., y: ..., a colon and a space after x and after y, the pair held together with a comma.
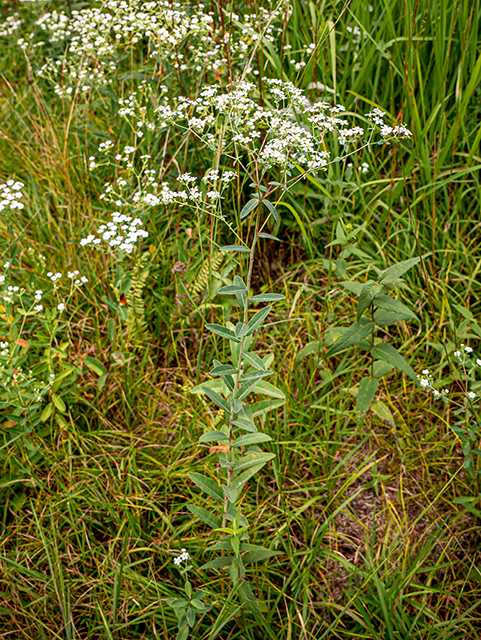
x: 456, y: 354
x: 425, y: 372
x: 183, y: 557
x: 468, y: 349
x: 61, y: 306
x: 471, y: 395
x: 38, y: 308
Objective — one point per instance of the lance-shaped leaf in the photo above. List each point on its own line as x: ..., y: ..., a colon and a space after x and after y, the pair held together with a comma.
x: 269, y: 389
x: 247, y: 208
x: 241, y: 297
x: 365, y: 395
x: 268, y: 236
x: 245, y: 389
x: 206, y: 516
x: 368, y: 292
x: 395, y: 306
x: 267, y: 297
x: 353, y: 287
x: 250, y: 439
x: 258, y: 318
x: 235, y: 247
x: 216, y: 398
x: 222, y: 331
x: 353, y: 335
x: 385, y: 318
x: 241, y: 329
x: 245, y: 425
x: 258, y: 554
x: 232, y: 289
x: 218, y: 563
x: 206, y: 484
x: 213, y: 436
x: 256, y: 375
x: 271, y: 209
x: 251, y: 459
x: 392, y: 356
x: 247, y: 474
x: 390, y: 275
x: 223, y: 369
x: 254, y: 360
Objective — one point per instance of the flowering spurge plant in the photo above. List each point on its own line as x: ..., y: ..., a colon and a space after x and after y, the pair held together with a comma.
x: 187, y: 609
x: 464, y: 398
x: 377, y: 308
x: 236, y: 438
x: 36, y: 380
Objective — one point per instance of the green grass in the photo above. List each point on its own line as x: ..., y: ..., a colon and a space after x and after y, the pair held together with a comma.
x: 373, y: 544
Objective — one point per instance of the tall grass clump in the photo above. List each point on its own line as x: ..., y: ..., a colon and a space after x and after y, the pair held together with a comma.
x: 239, y: 319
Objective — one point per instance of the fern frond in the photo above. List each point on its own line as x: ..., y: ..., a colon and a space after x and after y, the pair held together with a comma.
x: 136, y: 322
x: 202, y: 279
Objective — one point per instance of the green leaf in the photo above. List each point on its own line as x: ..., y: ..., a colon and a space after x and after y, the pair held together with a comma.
x: 381, y: 367
x: 267, y: 297
x: 232, y: 290
x: 217, y: 563
x: 353, y: 287
x: 222, y: 331
x: 95, y: 365
x: 213, y: 436
x: 258, y: 318
x: 47, y: 412
x: 390, y: 275
x: 246, y: 475
x: 206, y: 484
x: 269, y: 389
x: 235, y: 247
x: 256, y: 375
x: 385, y: 318
x: 369, y: 290
x: 183, y: 634
x: 190, y: 614
x: 245, y: 425
x: 259, y: 555
x: 206, y: 516
x: 382, y: 411
x: 254, y: 360
x: 353, y: 335
x: 251, y: 438
x: 245, y: 389
x: 390, y: 304
x: 392, y: 356
x: 216, y: 398
x: 223, y: 369
x: 59, y: 403
x: 247, y: 208
x: 268, y: 236
x: 251, y: 459
x: 365, y: 395
x: 178, y: 602
x: 272, y: 209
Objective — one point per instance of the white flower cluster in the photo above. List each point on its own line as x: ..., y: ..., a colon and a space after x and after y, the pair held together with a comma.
x: 426, y: 382
x: 121, y: 233
x: 183, y: 557
x: 398, y: 132
x: 10, y: 25
x: 10, y: 195
x: 277, y: 135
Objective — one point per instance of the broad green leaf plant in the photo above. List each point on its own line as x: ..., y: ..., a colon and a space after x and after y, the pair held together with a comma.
x: 376, y: 309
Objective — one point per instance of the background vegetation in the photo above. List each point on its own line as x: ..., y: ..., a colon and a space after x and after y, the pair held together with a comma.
x: 378, y: 523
